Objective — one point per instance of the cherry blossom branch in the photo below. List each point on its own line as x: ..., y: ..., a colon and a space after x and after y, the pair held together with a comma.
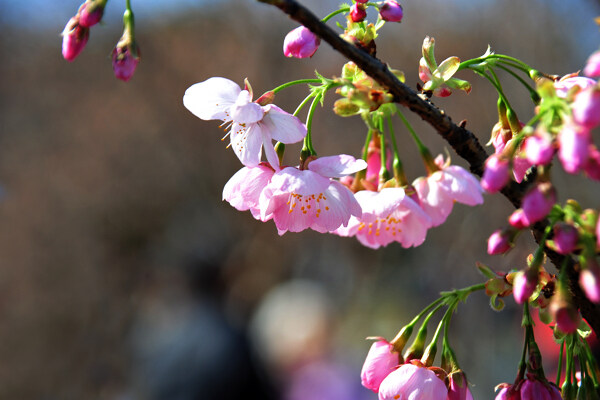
x: 464, y: 142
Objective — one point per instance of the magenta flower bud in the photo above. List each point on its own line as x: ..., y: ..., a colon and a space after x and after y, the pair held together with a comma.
x: 458, y: 388
x: 538, y: 149
x: 391, y: 11
x: 574, y: 144
x: 533, y: 389
x: 518, y: 220
x: 524, y: 286
x: 499, y: 242
x: 380, y: 361
x: 90, y: 13
x: 538, y: 202
x: 75, y: 37
x: 586, y: 107
x: 567, y: 319
x: 507, y: 394
x: 495, y: 174
x: 124, y: 60
x: 565, y: 238
x: 357, y: 12
x: 592, y: 67
x: 362, y: 1
x: 412, y: 382
x: 589, y: 280
x: 300, y: 43
x: 592, y: 165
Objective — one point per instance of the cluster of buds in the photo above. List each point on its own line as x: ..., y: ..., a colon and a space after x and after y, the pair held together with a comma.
x: 125, y: 55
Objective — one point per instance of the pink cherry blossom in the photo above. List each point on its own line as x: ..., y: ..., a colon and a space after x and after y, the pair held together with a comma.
x: 411, y: 382
x: 300, y: 43
x: 495, y: 174
x: 589, y: 280
x: 574, y: 146
x: 300, y: 199
x: 387, y: 216
x: 538, y: 202
x: 243, y: 190
x: 252, y: 126
x: 539, y: 149
x: 592, y: 67
x: 438, y: 192
x: 380, y: 361
x: 586, y: 107
x: 568, y: 82
x: 520, y: 167
x: 75, y: 37
x: 533, y: 389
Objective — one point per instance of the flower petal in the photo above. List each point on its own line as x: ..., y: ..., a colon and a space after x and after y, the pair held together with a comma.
x: 337, y: 166
x: 246, y: 142
x: 244, y: 188
x: 212, y: 98
x: 244, y: 111
x: 282, y: 126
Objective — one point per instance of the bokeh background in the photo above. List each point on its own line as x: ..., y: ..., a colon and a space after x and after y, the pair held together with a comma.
x: 124, y: 276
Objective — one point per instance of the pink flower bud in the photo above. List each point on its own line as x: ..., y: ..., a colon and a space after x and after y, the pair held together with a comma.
x: 592, y: 67
x: 90, y: 13
x: 518, y: 220
x: 362, y: 1
x: 358, y: 12
x: 589, y: 280
x: 507, y: 394
x: 574, y: 144
x: 523, y: 286
x: 391, y: 11
x: 592, y: 165
x: 567, y: 319
x: 125, y: 59
x: 300, y: 43
x: 495, y: 174
x: 380, y: 361
x: 538, y: 148
x: 533, y: 389
x: 412, y: 382
x: 538, y: 202
x: 586, y: 108
x: 458, y: 388
x: 75, y: 37
x: 565, y: 238
x: 499, y: 242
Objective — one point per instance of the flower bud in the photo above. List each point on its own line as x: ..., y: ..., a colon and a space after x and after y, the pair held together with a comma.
x: 538, y: 148
x: 592, y: 165
x: 563, y: 310
x: 499, y: 242
x: 574, y: 145
x: 391, y: 11
x: 412, y: 382
x: 533, y: 389
x: 571, y: 84
x: 300, y: 43
x: 586, y: 107
x: 538, y: 202
x: 589, y: 280
x: 495, y: 174
x: 91, y: 12
x: 458, y: 388
x: 565, y: 238
x: 380, y: 361
x: 518, y: 220
x: 592, y: 67
x: 125, y: 59
x: 358, y: 12
x: 75, y: 37
x: 524, y: 285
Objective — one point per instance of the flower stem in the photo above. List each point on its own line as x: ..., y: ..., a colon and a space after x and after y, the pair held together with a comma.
x: 560, y: 362
x: 423, y: 150
x: 342, y: 9
x: 535, y: 97
x: 308, y: 146
x: 297, y: 82
x: 397, y: 163
x: 304, y: 102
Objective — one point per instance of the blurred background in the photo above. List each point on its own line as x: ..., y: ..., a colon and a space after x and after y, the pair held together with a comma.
x: 124, y: 276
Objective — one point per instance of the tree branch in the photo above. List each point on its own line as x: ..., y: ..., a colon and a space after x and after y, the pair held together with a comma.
x: 464, y: 142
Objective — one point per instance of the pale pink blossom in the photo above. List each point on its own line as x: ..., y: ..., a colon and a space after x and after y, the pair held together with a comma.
x: 592, y: 67
x: 300, y: 43
x: 411, y: 382
x: 243, y: 190
x: 586, y: 107
x: 380, y: 361
x: 574, y: 146
x: 538, y: 148
x: 252, y: 126
x: 300, y: 199
x: 568, y: 82
x: 387, y: 216
x: 438, y: 192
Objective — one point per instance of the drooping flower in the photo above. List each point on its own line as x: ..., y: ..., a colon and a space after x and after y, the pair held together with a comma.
x: 75, y: 37
x: 538, y: 148
x: 91, y: 12
x: 592, y: 67
x: 565, y: 238
x: 533, y: 389
x: 300, y: 43
x: 524, y: 285
x: 518, y: 220
x: 589, y: 280
x: 391, y: 11
x: 574, y: 145
x: 439, y: 79
x: 379, y: 363
x: 387, y: 216
x: 586, y: 107
x: 412, y: 382
x: 458, y: 386
x: 243, y: 190
x: 252, y: 126
x: 538, y: 202
x: 300, y: 199
x: 495, y: 174
x: 358, y: 12
x: 125, y: 58
x: 499, y: 242
x: 451, y: 183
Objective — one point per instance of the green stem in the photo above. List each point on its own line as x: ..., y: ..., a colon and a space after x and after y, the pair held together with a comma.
x: 306, y: 99
x: 397, y: 163
x: 560, y: 362
x: 535, y: 97
x: 308, y: 146
x: 297, y: 82
x: 423, y: 150
x: 342, y: 9
x: 430, y: 351
x: 384, y: 174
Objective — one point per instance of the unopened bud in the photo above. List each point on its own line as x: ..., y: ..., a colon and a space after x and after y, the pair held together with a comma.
x: 300, y: 43
x: 358, y: 12
x: 524, y: 285
x: 495, y: 174
x: 75, y: 38
x: 391, y: 11
x: 91, y: 12
x: 538, y: 202
x: 565, y: 238
x: 499, y: 242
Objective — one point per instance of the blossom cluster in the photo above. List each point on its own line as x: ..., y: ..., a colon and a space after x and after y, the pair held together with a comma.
x: 125, y: 55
